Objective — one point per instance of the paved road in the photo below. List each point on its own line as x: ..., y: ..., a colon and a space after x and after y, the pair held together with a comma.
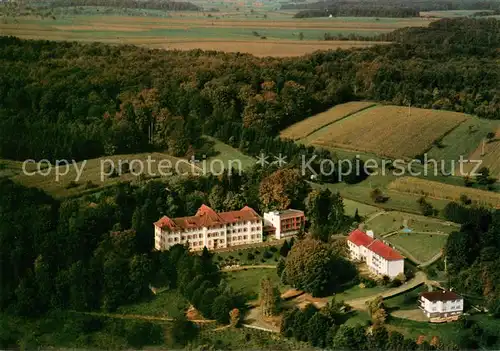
x: 360, y: 303
x: 241, y: 268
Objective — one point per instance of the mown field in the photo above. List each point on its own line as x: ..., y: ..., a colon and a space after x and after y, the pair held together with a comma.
x: 256, y: 31
x: 436, y: 190
x: 394, y: 221
x: 248, y: 281
x: 390, y: 131
x: 490, y: 158
x: 312, y: 124
x: 397, y: 201
x: 421, y: 246
x: 464, y: 139
x: 62, y: 181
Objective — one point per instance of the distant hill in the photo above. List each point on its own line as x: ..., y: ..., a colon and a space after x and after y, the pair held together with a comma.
x: 384, y: 8
x: 130, y: 4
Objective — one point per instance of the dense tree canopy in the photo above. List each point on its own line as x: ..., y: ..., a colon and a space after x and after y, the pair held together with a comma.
x: 316, y: 267
x: 87, y: 98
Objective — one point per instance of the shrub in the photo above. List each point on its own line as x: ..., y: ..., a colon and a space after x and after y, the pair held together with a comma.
x: 250, y: 256
x: 231, y: 257
x: 90, y: 185
x: 273, y: 249
x: 263, y: 260
x: 240, y: 253
x: 219, y: 258
x: 257, y: 252
x: 72, y: 184
x: 267, y: 255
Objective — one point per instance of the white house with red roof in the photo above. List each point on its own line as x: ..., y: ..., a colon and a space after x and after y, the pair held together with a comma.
x: 379, y: 257
x: 209, y: 228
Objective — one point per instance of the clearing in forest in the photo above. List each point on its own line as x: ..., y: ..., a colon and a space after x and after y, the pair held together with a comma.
x: 436, y: 190
x: 390, y: 131
x: 312, y: 124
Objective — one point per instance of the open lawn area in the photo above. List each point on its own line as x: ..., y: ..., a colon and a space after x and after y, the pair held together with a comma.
x: 248, y: 339
x: 397, y: 201
x: 435, y: 190
x: 405, y: 301
x: 447, y: 332
x: 227, y: 157
x: 421, y: 246
x: 364, y: 210
x: 166, y: 303
x: 249, y: 256
x: 248, y: 281
x: 391, y: 221
x: 62, y: 181
x: 357, y: 292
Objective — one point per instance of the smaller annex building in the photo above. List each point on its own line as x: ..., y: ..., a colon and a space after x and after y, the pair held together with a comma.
x: 379, y: 257
x: 441, y: 305
x: 285, y: 223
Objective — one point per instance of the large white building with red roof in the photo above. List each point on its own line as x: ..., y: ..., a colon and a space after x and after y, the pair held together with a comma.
x: 209, y: 228
x: 380, y: 258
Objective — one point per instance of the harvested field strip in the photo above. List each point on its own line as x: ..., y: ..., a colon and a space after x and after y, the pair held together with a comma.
x: 443, y: 191
x: 391, y: 131
x: 312, y: 124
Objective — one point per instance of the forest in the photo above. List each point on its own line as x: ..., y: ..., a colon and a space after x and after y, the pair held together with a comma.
x: 94, y: 99
x: 129, y: 4
x: 397, y: 9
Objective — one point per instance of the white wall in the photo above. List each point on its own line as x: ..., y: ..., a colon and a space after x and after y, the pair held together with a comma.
x: 395, y: 267
x: 275, y: 220
x: 239, y: 233
x: 443, y: 306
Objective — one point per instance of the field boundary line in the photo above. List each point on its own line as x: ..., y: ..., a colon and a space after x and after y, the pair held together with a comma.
x: 438, y: 140
x: 338, y: 120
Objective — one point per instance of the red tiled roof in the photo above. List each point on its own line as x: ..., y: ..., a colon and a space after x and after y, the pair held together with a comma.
x: 440, y: 295
x: 360, y: 238
x: 207, y: 217
x: 384, y: 251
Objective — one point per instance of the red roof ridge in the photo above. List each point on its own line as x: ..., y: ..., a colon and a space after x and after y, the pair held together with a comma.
x: 360, y: 238
x: 384, y: 250
x: 206, y: 217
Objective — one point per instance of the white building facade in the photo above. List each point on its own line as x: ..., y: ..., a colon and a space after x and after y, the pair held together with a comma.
x: 380, y: 258
x: 209, y: 229
x: 286, y: 223
x: 441, y: 305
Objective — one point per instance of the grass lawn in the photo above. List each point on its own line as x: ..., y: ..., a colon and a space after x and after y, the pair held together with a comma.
x: 421, y: 246
x: 248, y: 281
x: 405, y: 301
x: 364, y: 210
x: 228, y: 156
x: 464, y: 139
x: 395, y: 221
x: 248, y: 339
x: 167, y: 303
x: 358, y: 317
x: 241, y: 257
x: 447, y: 332
x: 357, y: 292
x: 397, y: 201
x: 94, y: 173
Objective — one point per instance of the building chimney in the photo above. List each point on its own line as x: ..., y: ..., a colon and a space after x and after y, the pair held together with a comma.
x: 370, y: 233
